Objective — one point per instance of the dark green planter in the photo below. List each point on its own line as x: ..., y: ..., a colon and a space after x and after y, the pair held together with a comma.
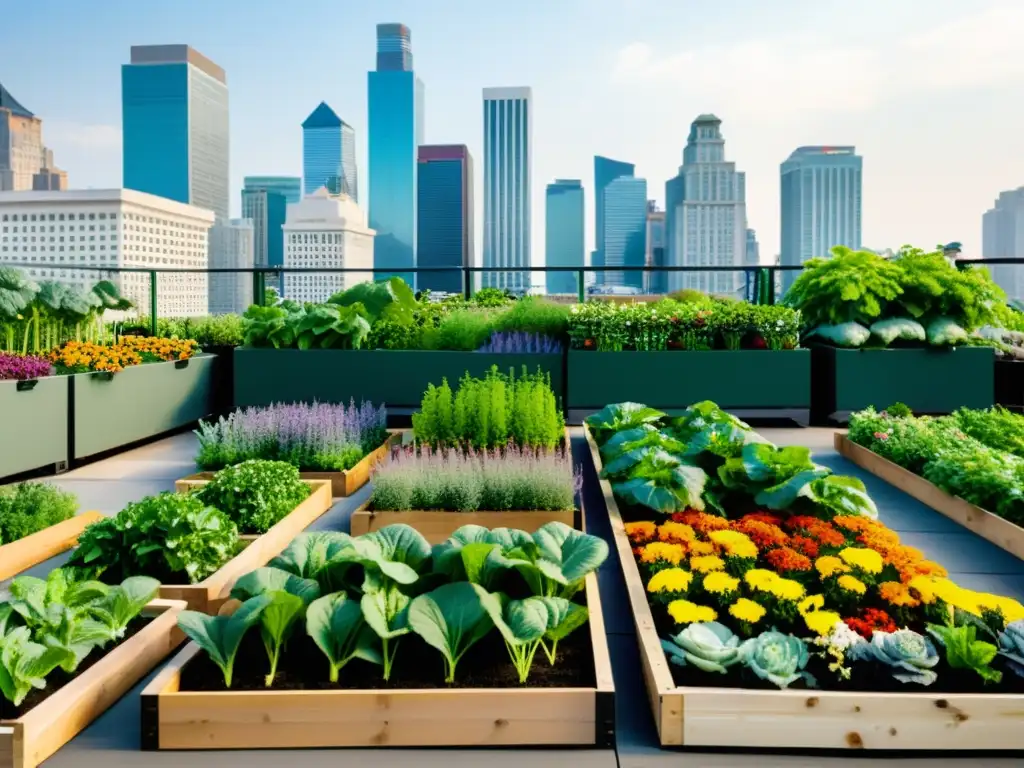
x: 396, y: 378
x: 929, y: 380
x: 33, y: 425
x: 739, y: 380
x: 138, y: 403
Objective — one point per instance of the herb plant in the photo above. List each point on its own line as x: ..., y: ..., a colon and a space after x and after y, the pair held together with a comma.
x: 27, y: 508
x: 255, y: 494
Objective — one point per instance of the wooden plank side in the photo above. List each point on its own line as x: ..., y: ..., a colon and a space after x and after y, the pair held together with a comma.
x: 832, y: 720
x: 436, y: 526
x: 990, y: 527
x: 657, y: 676
x: 466, y: 717
x: 38, y: 547
x: 46, y: 728
x: 8, y: 739
x: 205, y: 595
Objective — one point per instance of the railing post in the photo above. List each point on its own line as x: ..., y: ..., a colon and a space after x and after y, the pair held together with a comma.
x: 259, y: 293
x: 581, y: 289
x: 768, y: 282
x: 152, y: 302
x: 467, y: 283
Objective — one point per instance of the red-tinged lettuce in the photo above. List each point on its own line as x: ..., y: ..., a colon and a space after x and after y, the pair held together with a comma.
x: 23, y: 367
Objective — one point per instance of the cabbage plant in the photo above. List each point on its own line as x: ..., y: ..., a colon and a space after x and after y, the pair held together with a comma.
x: 709, y: 646
x: 778, y: 658
x: 1011, y: 646
x: 909, y: 655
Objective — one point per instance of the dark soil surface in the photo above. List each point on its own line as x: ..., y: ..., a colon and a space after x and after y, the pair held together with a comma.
x: 59, y: 678
x: 417, y: 666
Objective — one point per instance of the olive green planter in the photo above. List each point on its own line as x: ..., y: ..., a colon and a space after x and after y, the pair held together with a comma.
x: 33, y: 425
x: 739, y: 380
x: 396, y: 378
x: 140, y: 402
x: 928, y: 380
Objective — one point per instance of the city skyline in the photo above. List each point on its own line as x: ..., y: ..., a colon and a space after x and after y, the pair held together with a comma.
x: 877, y: 79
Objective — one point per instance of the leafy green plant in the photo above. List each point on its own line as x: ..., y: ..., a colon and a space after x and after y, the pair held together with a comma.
x: 654, y: 478
x: 532, y: 314
x: 778, y: 658
x: 622, y: 416
x: 965, y: 651
x: 996, y: 427
x: 452, y: 619
x: 26, y: 508
x: 220, y: 636
x: 709, y: 646
x: 25, y: 665
x: 909, y: 655
x: 391, y: 299
x: 337, y: 626
x: 255, y: 494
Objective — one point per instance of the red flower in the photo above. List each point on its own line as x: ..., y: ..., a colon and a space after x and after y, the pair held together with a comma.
x: 871, y: 620
x: 588, y: 344
x: 881, y: 436
x: 804, y: 545
x: 785, y: 559
x: 763, y: 517
x: 758, y: 342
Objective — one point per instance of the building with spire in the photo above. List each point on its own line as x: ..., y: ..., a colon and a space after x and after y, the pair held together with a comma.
x: 25, y: 162
x: 329, y: 154
x: 395, y: 111
x: 706, y: 214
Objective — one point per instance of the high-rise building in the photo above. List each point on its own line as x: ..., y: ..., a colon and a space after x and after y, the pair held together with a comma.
x: 606, y: 171
x: 174, y: 105
x: 1002, y: 237
x: 325, y: 230
x: 563, y: 234
x: 289, y: 186
x: 655, y: 282
x: 753, y: 251
x: 23, y: 157
x: 444, y: 216
x: 706, y: 216
x: 231, y: 247
x: 329, y: 154
x: 821, y: 204
x: 625, y: 230
x: 267, y: 210
x: 101, y: 228
x: 508, y: 139
x: 396, y: 99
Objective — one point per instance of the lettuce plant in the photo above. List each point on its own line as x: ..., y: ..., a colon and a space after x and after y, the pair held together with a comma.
x: 220, y: 636
x: 386, y: 611
x: 337, y: 626
x: 25, y: 664
x: 621, y: 416
x: 255, y: 494
x: 452, y: 619
x: 965, y: 651
x: 653, y: 477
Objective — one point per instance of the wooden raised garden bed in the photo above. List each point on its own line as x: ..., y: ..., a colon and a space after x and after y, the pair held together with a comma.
x: 441, y: 717
x: 32, y: 738
x: 437, y: 525
x: 20, y: 555
x: 797, y: 720
x: 999, y: 531
x: 213, y: 590
x: 343, y: 483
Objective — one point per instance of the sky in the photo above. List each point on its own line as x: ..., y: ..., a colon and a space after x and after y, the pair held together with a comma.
x: 929, y: 91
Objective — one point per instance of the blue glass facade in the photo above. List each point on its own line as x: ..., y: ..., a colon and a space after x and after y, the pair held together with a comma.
x: 444, y: 216
x: 288, y: 186
x: 329, y: 154
x: 625, y: 229
x: 606, y: 171
x: 563, y: 234
x: 267, y: 210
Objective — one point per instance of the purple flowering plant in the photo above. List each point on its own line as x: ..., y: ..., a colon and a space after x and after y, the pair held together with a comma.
x: 317, y: 437
x: 23, y: 367
x: 521, y: 342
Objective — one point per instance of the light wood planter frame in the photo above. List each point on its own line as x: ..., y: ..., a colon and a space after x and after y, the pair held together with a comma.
x: 999, y: 531
x: 798, y: 720
x: 455, y: 717
x: 437, y: 526
x: 36, y: 548
x: 343, y: 484
x: 210, y: 593
x: 39, y: 733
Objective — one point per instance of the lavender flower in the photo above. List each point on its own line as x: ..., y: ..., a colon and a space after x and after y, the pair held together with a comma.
x: 520, y: 342
x: 467, y: 481
x: 321, y: 437
x: 23, y: 367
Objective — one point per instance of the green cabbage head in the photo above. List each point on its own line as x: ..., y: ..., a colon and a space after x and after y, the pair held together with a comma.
x: 909, y: 655
x: 1011, y: 646
x: 709, y: 646
x: 776, y: 657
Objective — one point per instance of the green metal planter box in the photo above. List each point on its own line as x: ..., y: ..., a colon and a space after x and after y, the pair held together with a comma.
x: 33, y: 425
x: 929, y: 380
x: 396, y: 378
x: 140, y: 402
x: 739, y: 380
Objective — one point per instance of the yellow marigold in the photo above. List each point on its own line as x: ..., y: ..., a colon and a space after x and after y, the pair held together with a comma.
x: 670, y: 580
x: 759, y: 578
x: 719, y: 582
x: 811, y: 603
x: 866, y: 560
x: 821, y: 622
x: 659, y: 551
x: 851, y: 584
x: 786, y: 589
x: 895, y: 593
x: 706, y: 563
x: 734, y: 543
x: 1011, y: 609
x: 701, y: 548
x: 640, y: 533
x: 924, y: 586
x: 685, y: 612
x: 676, y: 533
x: 829, y: 566
x: 955, y: 595
x: 747, y: 610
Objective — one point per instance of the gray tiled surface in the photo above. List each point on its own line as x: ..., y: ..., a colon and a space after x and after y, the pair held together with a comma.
x: 112, y: 741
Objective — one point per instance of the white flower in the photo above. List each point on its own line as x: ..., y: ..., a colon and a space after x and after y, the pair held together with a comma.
x: 843, y: 638
x: 574, y: 309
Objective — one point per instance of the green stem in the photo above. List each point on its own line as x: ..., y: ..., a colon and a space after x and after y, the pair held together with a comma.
x: 227, y: 670
x: 335, y: 669
x: 389, y: 659
x: 550, y: 652
x: 269, y: 680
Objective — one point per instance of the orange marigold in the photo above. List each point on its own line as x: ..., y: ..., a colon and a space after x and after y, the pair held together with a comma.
x: 763, y: 517
x: 640, y: 533
x: 676, y: 533
x: 701, y: 522
x: 764, y: 535
x: 856, y: 523
x: 798, y: 522
x: 804, y: 545
x: 785, y: 559
x: 922, y: 568
x: 880, y: 540
x: 903, y: 557
x: 897, y: 594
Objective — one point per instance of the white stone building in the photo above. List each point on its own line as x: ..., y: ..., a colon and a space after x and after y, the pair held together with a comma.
x: 232, y: 246
x: 324, y: 230
x: 50, y: 233
x: 1002, y: 237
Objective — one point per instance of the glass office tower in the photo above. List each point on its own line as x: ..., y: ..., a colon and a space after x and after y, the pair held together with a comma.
x: 444, y: 217
x: 563, y: 234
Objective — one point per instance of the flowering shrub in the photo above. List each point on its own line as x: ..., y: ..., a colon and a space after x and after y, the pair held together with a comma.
x: 83, y: 357
x: 23, y: 367
x: 153, y: 349
x: 520, y: 342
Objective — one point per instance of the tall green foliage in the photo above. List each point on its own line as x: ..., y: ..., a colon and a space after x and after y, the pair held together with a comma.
x: 934, y: 288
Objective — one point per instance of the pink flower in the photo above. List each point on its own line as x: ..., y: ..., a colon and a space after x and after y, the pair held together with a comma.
x: 881, y: 436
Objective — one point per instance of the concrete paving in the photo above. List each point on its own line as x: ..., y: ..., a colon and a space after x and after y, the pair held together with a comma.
x: 113, y: 740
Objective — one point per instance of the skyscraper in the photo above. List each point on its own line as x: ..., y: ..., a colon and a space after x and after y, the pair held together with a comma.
x: 508, y: 130
x: 753, y: 251
x: 1002, y: 236
x: 563, y: 234
x: 175, y: 125
x: 396, y: 130
x: 620, y: 215
x: 606, y: 171
x: 655, y: 282
x: 267, y: 210
x: 444, y: 215
x: 25, y: 163
x: 707, y: 213
x: 821, y: 204
x: 289, y: 186
x: 231, y: 292
x: 329, y: 154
